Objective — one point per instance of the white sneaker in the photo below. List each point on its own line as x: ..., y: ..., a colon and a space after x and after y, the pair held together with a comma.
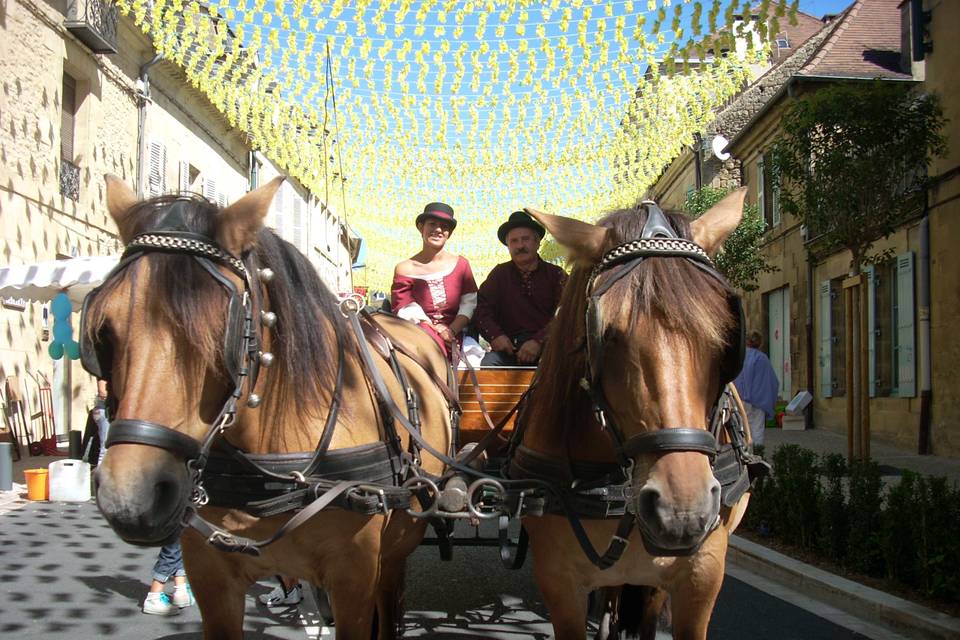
x: 183, y: 597
x: 280, y: 598
x: 159, y: 604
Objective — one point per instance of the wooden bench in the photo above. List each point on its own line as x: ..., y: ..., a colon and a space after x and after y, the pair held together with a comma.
x: 501, y: 388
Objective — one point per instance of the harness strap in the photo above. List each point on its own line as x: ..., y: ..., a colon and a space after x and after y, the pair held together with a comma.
x: 154, y: 435
x: 670, y: 440
x: 226, y: 541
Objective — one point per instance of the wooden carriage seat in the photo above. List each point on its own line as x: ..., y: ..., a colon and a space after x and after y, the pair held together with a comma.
x: 501, y: 388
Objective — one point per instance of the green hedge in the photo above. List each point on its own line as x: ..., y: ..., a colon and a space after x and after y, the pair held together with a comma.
x: 908, y: 533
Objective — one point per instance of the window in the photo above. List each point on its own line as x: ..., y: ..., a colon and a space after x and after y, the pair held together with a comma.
x: 68, y: 117
x: 188, y: 177
x: 783, y: 42
x: 832, y: 339
x: 156, y: 168
x: 890, y: 316
x: 768, y: 193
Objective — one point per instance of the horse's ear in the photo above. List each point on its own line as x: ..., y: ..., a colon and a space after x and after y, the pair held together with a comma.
x: 712, y: 228
x: 120, y: 201
x: 240, y: 222
x: 585, y: 241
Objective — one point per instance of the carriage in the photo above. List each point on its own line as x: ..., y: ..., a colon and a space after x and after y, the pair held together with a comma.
x: 281, y: 431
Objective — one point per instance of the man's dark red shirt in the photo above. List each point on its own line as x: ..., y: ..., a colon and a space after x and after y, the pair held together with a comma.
x: 512, y: 302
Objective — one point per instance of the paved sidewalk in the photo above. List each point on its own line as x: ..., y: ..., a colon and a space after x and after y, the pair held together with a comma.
x: 822, y: 441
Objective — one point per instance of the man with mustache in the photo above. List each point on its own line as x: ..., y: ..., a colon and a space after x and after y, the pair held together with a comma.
x: 518, y: 298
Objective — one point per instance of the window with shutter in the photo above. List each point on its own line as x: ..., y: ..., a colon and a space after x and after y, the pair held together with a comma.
x: 826, y: 342
x: 210, y: 189
x: 184, y: 176
x: 279, y: 202
x: 297, y: 236
x: 906, y: 386
x: 882, y: 322
x: 156, y: 176
x: 68, y: 117
x: 838, y: 338
x: 221, y: 200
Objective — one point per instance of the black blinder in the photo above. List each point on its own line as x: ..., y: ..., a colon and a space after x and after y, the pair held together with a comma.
x: 736, y: 344
x: 95, y: 353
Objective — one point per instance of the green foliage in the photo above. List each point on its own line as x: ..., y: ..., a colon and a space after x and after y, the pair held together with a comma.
x: 864, y: 507
x: 797, y: 485
x: 851, y: 161
x: 907, y: 534
x: 834, y: 520
x: 740, y: 261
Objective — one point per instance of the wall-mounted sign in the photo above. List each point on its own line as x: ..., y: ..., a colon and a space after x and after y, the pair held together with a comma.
x: 14, y: 304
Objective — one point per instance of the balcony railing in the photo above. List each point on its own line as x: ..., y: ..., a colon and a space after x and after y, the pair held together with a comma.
x: 69, y: 180
x: 94, y: 22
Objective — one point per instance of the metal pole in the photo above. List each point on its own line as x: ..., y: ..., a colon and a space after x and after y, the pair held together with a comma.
x: 6, y: 466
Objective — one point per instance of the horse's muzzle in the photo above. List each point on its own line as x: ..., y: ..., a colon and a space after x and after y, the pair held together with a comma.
x: 145, y: 505
x: 669, y: 529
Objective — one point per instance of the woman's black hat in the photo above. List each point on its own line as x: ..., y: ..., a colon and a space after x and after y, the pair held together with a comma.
x: 440, y: 211
x: 519, y: 219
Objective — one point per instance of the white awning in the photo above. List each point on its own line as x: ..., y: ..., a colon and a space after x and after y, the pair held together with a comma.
x: 41, y: 281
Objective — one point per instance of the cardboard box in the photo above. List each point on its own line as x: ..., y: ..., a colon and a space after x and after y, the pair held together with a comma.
x: 793, y: 423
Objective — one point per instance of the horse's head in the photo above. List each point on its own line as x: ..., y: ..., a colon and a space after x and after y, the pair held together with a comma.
x: 168, y: 330
x: 660, y: 335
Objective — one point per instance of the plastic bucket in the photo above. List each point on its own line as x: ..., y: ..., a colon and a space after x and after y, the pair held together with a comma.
x: 38, y: 484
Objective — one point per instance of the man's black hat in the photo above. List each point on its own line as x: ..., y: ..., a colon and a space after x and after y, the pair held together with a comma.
x: 519, y: 219
x: 440, y: 211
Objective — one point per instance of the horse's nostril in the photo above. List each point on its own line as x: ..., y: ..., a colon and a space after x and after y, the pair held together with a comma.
x: 647, y: 503
x: 166, y: 495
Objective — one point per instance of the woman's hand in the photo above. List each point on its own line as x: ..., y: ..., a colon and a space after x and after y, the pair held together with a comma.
x: 444, y: 332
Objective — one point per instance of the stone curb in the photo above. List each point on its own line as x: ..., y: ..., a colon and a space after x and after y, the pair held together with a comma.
x: 854, y: 598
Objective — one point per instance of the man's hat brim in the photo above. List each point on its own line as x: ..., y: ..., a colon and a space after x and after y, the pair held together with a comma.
x: 519, y: 219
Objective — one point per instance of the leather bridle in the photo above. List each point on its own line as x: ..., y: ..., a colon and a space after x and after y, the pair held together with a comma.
x: 658, y: 239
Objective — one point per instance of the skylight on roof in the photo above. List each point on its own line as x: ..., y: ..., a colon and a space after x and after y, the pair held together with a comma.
x: 783, y: 42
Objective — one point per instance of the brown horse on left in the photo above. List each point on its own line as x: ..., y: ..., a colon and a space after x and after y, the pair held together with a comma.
x: 160, y: 322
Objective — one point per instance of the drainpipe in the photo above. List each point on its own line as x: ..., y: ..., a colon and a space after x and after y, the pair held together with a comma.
x: 143, y: 97
x: 923, y: 324
x: 697, y: 162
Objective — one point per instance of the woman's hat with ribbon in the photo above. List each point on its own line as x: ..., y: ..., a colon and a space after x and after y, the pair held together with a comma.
x: 440, y: 211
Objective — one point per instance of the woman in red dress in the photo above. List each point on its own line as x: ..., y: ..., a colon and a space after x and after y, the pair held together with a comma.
x: 435, y: 288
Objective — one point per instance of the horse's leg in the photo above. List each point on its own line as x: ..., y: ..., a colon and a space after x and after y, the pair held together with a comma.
x: 390, y: 599
x: 691, y: 604
x: 351, y: 582
x: 219, y: 587
x: 565, y: 598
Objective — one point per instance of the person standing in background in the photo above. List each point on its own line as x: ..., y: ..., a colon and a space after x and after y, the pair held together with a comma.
x: 758, y: 386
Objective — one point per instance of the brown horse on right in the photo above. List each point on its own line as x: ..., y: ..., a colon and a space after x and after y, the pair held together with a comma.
x: 661, y: 335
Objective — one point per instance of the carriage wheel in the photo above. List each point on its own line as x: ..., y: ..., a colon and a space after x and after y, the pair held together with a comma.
x: 322, y: 598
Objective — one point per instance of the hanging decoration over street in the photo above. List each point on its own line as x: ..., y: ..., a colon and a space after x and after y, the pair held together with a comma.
x: 378, y: 107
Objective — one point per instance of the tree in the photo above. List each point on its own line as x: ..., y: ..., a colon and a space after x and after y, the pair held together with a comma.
x: 851, y: 160
x: 740, y: 261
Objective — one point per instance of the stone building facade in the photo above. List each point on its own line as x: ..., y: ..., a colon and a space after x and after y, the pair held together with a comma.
x: 71, y: 112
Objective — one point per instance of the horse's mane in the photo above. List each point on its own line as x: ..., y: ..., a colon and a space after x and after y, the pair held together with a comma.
x: 187, y: 299
x: 682, y: 298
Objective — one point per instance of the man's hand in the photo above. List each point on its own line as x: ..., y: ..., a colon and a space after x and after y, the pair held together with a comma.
x: 502, y: 344
x: 444, y: 332
x: 529, y: 352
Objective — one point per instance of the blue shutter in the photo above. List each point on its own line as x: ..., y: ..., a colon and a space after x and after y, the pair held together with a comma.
x: 826, y: 344
x: 872, y: 328
x: 906, y: 361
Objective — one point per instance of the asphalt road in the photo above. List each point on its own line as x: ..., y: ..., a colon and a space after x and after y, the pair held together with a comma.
x: 64, y: 574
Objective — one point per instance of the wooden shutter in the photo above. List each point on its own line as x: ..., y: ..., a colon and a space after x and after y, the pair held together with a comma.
x: 826, y: 341
x: 906, y: 361
x: 68, y: 117
x: 297, y: 238
x: 872, y: 328
x: 221, y: 200
x: 184, y: 176
x: 278, y: 204
x: 210, y: 189
x: 156, y: 176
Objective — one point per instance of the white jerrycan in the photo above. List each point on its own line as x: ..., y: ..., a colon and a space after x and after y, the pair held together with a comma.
x: 69, y: 481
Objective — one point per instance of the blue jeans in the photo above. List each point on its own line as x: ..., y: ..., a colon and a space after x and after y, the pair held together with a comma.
x: 169, y: 563
x: 103, y: 425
